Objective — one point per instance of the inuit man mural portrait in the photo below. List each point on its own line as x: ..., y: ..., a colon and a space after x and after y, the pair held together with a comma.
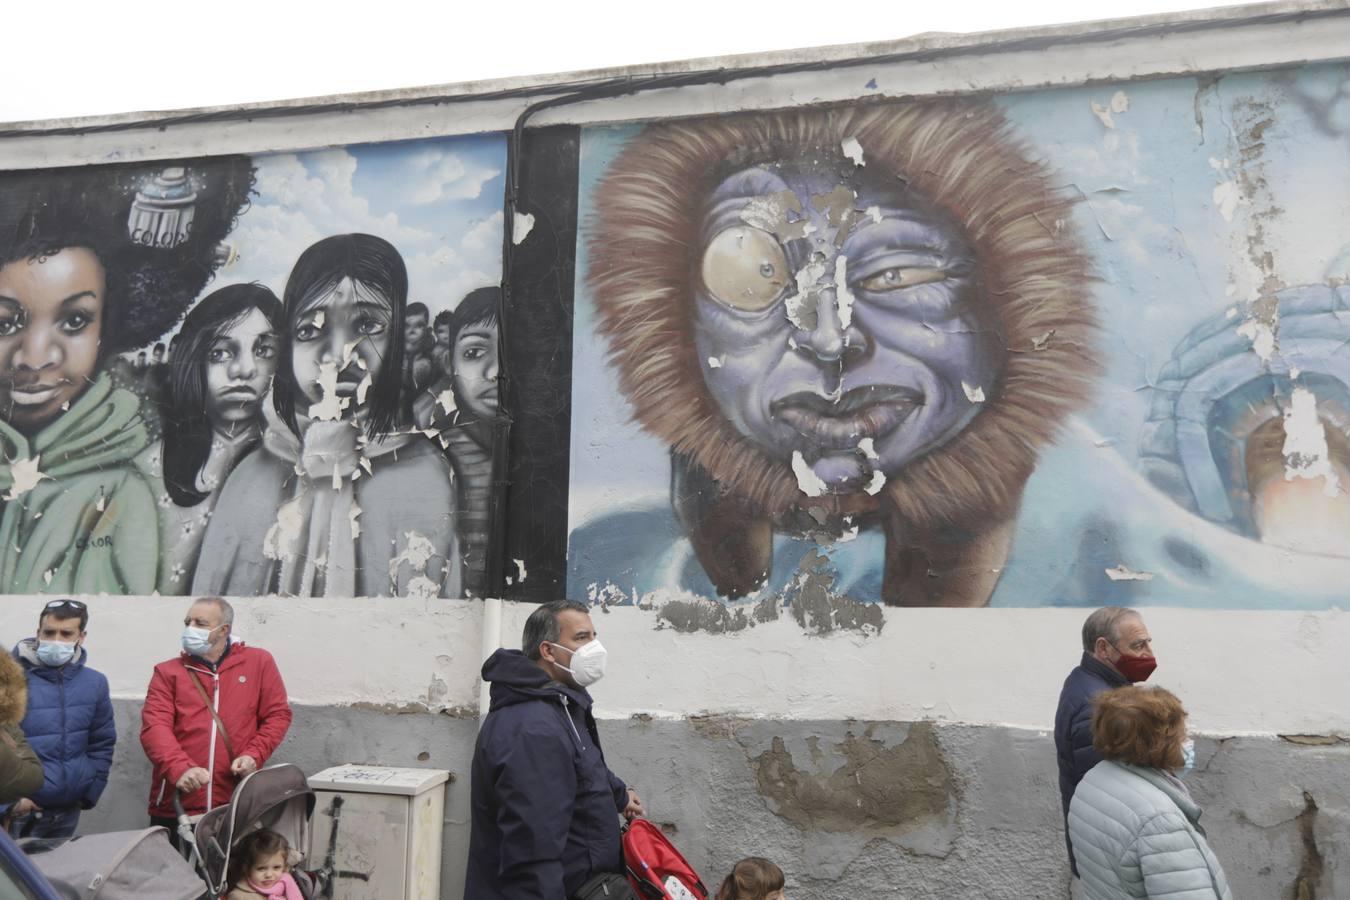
x: 341, y: 498
x: 862, y: 317
x: 93, y: 263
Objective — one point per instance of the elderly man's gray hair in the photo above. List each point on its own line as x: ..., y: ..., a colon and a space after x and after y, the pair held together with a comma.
x: 542, y: 625
x: 1105, y: 623
x: 226, y: 610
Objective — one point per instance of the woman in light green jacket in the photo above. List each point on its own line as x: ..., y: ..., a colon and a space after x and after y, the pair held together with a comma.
x: 93, y: 261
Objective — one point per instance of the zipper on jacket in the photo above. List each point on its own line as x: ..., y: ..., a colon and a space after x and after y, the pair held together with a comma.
x: 163, y: 783
x: 567, y: 714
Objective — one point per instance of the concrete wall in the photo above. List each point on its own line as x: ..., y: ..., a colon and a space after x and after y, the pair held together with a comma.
x: 915, y: 759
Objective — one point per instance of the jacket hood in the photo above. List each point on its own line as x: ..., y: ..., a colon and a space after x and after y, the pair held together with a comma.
x: 102, y: 428
x: 13, y: 691
x: 1174, y: 789
x: 516, y: 679
x: 25, y: 651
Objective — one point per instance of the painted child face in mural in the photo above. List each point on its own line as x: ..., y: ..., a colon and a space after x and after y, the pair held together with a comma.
x: 475, y: 369
x: 51, y: 311
x: 239, y: 369
x: 414, y: 331
x: 839, y: 320
x: 346, y: 328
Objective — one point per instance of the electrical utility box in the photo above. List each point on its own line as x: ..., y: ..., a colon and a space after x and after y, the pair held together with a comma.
x: 378, y: 831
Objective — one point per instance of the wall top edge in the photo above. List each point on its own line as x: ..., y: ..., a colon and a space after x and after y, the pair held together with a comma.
x: 925, y: 45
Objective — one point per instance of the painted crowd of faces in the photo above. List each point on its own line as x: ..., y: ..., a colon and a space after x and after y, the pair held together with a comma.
x: 1013, y: 351
x: 330, y: 438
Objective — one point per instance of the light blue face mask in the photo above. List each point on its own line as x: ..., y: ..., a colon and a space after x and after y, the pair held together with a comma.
x: 197, y: 641
x: 55, y: 653
x: 1187, y: 755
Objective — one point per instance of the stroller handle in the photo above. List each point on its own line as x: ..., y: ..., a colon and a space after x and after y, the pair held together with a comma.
x: 179, y: 812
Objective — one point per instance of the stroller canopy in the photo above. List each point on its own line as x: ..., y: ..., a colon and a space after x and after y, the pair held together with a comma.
x: 118, y: 865
x: 277, y: 798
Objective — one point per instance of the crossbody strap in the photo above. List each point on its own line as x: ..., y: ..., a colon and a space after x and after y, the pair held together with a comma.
x: 224, y: 735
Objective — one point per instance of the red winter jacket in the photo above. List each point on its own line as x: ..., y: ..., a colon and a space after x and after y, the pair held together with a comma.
x: 178, y: 732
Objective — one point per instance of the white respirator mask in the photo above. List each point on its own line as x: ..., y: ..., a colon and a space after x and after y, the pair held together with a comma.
x: 588, y: 662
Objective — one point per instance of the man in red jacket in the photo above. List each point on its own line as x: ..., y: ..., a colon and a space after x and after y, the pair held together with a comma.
x: 212, y: 715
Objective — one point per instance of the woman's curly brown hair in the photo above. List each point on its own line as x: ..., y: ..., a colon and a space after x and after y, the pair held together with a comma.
x: 1140, y: 726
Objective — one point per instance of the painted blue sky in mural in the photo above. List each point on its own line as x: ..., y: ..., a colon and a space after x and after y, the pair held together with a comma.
x: 1192, y: 195
x: 438, y: 201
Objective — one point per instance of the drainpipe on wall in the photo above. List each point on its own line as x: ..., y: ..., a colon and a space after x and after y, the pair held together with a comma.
x: 491, y: 642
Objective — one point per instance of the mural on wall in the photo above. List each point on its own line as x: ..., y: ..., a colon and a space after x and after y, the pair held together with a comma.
x: 250, y: 375
x: 1074, y: 347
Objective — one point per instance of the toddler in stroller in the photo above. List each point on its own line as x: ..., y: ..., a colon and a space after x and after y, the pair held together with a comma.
x: 261, y: 868
x: 276, y: 799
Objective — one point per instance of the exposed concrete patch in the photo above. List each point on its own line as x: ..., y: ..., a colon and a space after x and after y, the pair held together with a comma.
x: 698, y: 614
x: 1310, y: 870
x: 890, y: 791
x: 1315, y: 740
x: 819, y: 610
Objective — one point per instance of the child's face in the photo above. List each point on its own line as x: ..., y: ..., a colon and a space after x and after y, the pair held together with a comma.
x: 268, y: 870
x: 51, y: 318
x: 348, y: 329
x: 475, y: 369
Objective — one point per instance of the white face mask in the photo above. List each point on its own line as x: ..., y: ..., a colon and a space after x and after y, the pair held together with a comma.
x: 588, y: 662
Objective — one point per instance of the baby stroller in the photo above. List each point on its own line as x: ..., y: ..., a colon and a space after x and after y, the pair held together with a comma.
x: 119, y: 865
x: 277, y: 798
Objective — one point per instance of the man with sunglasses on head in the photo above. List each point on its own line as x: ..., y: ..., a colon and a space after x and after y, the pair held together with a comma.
x: 213, y: 715
x: 69, y: 723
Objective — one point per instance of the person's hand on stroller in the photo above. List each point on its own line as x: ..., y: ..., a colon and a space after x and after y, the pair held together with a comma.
x: 23, y: 807
x: 634, y: 807
x: 194, y: 779
x: 244, y: 765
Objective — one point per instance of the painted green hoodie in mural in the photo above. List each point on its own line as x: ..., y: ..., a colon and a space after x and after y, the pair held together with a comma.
x: 89, y: 524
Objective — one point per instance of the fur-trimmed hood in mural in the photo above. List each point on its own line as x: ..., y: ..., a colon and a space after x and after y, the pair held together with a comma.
x: 843, y: 316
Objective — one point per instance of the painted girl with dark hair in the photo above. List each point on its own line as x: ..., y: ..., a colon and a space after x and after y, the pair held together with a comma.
x: 93, y: 262
x: 341, y: 499
x: 220, y: 374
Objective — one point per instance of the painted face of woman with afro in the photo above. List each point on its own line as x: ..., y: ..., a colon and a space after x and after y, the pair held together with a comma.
x: 51, y: 320
x: 836, y: 320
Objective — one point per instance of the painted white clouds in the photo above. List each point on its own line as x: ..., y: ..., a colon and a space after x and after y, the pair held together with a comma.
x: 430, y: 175
x: 454, y: 247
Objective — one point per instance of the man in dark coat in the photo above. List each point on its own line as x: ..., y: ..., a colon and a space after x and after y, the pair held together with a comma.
x: 1117, y: 651
x: 545, y: 806
x: 69, y: 723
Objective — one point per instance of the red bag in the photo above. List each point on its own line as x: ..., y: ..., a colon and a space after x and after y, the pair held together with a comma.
x: 656, y: 870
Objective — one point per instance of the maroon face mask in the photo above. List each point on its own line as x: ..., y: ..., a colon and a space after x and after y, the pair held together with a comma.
x: 1136, y: 668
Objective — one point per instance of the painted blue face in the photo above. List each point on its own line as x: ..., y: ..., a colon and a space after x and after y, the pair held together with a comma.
x: 839, y: 320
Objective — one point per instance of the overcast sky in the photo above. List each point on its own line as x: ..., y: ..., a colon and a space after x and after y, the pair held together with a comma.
x: 85, y: 58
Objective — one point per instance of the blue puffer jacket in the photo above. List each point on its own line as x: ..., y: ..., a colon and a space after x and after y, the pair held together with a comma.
x: 70, y: 726
x: 1073, y: 728
x: 545, y: 807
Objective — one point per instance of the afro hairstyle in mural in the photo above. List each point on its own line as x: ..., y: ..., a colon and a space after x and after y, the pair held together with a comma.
x: 156, y: 228
x: 862, y: 316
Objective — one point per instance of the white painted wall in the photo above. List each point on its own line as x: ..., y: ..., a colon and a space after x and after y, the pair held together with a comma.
x: 1237, y: 672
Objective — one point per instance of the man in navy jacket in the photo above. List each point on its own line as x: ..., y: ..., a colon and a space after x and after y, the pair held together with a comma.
x: 1117, y: 651
x: 545, y: 806
x: 69, y: 723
